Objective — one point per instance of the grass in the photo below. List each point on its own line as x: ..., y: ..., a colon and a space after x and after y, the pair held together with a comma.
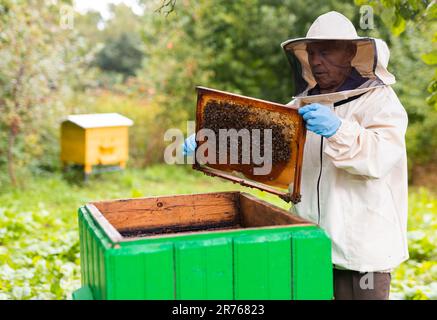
x: 39, y: 245
x: 416, y: 279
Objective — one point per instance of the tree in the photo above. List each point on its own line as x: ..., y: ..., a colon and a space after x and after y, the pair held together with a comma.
x: 228, y: 45
x: 122, y: 55
x: 413, y: 22
x: 234, y: 46
x: 40, y: 63
x: 118, y: 41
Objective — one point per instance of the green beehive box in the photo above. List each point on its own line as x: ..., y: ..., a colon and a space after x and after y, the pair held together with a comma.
x: 227, y: 245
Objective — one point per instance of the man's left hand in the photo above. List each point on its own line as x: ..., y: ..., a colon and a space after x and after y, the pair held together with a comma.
x: 320, y: 119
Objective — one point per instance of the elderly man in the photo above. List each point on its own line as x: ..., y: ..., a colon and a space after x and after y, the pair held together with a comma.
x: 354, y: 175
x: 354, y: 171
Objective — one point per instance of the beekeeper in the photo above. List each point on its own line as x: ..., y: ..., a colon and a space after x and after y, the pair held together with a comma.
x: 354, y: 170
x: 354, y: 174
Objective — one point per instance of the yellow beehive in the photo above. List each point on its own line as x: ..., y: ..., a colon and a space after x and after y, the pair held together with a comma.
x: 95, y: 139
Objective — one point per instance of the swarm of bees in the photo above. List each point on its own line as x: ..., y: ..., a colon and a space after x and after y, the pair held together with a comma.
x: 227, y: 115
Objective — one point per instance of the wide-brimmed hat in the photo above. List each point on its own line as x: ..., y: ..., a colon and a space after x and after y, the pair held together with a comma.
x: 371, y: 58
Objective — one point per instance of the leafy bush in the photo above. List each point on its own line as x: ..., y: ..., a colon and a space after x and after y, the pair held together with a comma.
x: 41, y: 63
x: 417, y: 278
x: 121, y: 55
x: 39, y: 255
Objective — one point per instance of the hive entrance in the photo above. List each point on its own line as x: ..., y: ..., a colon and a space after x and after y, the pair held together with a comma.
x: 157, y: 216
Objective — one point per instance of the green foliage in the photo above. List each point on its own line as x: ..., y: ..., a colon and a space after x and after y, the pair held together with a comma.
x: 417, y: 278
x: 122, y: 55
x: 413, y: 21
x: 228, y: 45
x: 39, y: 248
x: 40, y: 64
x: 235, y: 46
x: 45, y: 74
x: 121, y: 49
x: 39, y: 255
x: 39, y: 239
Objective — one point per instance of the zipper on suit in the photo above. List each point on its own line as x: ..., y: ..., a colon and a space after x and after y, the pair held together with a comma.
x: 318, y: 180
x: 336, y: 104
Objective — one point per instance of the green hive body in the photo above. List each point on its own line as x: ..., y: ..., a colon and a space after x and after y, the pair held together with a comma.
x: 290, y: 262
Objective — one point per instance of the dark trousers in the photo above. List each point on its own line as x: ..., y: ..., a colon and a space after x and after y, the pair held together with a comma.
x: 354, y: 285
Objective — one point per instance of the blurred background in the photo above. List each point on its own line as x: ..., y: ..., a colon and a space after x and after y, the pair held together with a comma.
x: 143, y: 59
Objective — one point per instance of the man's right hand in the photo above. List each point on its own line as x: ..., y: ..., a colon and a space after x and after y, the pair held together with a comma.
x: 189, y: 145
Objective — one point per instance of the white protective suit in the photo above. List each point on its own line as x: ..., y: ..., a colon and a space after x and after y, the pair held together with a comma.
x: 354, y: 184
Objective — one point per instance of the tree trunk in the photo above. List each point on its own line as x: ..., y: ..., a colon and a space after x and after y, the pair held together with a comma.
x: 11, y: 144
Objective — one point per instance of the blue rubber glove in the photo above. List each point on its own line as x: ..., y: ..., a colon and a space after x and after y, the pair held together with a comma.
x: 320, y: 119
x: 189, y: 145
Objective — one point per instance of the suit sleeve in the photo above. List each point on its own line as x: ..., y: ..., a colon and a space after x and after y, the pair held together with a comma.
x: 373, y: 146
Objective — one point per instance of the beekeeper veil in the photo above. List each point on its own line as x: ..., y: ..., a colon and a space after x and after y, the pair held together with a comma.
x: 370, y: 60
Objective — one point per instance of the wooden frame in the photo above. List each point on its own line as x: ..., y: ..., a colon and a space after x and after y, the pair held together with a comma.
x: 298, y: 143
